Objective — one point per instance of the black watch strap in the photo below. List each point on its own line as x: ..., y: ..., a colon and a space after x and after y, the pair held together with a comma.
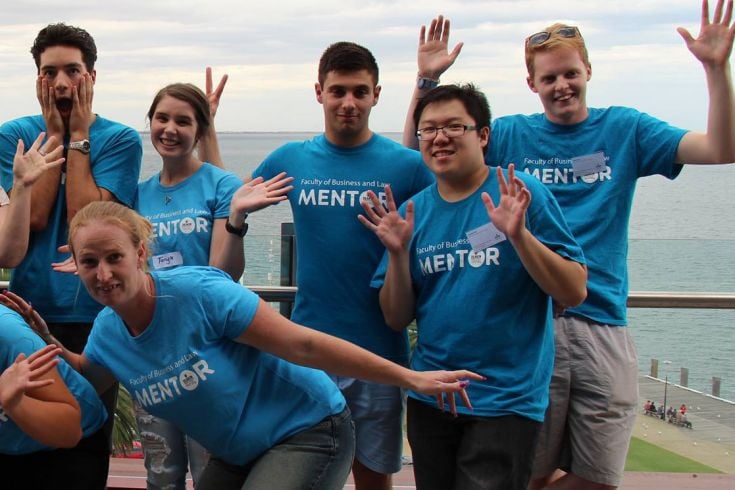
x: 236, y: 231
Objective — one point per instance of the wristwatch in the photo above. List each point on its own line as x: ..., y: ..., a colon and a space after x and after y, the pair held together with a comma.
x: 237, y: 231
x: 426, y: 83
x: 81, y: 145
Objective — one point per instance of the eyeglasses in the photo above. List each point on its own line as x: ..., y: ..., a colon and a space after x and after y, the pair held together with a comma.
x: 543, y: 36
x: 450, y: 131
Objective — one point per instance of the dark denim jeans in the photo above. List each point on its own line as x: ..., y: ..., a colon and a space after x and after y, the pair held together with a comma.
x: 468, y: 452
x: 316, y: 458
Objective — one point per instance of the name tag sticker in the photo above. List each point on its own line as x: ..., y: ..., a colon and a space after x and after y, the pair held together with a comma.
x: 484, y: 236
x: 167, y: 260
x: 588, y: 164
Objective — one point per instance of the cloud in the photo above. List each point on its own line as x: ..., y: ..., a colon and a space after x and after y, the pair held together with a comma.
x: 271, y: 50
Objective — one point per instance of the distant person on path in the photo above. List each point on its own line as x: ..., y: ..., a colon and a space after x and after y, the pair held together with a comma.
x: 233, y: 372
x: 483, y: 302
x: 102, y: 163
x: 337, y: 256
x: 590, y: 159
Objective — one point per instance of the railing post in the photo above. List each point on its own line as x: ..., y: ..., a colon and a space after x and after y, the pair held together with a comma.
x: 716, y: 386
x: 684, y: 377
x: 288, y: 263
x: 654, y: 368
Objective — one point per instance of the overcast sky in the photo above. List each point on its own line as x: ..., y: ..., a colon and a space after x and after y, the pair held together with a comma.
x: 271, y: 49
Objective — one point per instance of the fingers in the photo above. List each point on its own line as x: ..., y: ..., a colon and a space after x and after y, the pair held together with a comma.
x: 409, y: 214
x: 389, y: 198
x: 502, y: 184
x: 705, y: 13
x: 440, y: 401
x: 371, y: 207
x: 208, y: 79
x: 43, y: 360
x: 717, y: 17
x: 489, y: 205
x: 452, y: 404
x: 465, y: 399
x: 221, y: 86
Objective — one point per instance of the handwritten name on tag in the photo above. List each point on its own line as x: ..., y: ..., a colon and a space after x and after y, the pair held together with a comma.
x: 170, y: 259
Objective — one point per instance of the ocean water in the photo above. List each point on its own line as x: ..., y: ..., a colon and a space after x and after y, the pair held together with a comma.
x: 681, y: 238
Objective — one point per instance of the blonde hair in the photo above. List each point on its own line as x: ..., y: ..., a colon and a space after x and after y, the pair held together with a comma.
x: 137, y: 227
x: 554, y: 42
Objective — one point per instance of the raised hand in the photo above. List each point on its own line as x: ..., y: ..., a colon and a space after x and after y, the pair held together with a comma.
x: 390, y: 227
x: 509, y: 216
x: 81, y: 112
x: 29, y: 166
x: 714, y: 43
x: 213, y: 96
x: 434, y: 57
x: 47, y: 99
x: 23, y: 374
x: 258, y: 194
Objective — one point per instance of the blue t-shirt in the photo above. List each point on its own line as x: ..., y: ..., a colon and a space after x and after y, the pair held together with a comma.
x: 596, y: 206
x: 481, y: 310
x: 115, y: 156
x: 336, y: 254
x: 17, y: 337
x: 186, y: 368
x: 183, y: 214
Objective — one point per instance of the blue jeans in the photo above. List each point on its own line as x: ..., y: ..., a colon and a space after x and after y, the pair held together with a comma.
x: 469, y: 452
x: 168, y: 452
x: 317, y: 458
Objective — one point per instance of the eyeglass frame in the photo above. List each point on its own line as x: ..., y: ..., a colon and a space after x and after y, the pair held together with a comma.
x: 443, y: 129
x: 568, y: 32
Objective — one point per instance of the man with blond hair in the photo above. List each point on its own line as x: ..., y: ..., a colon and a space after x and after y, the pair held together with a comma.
x: 590, y: 159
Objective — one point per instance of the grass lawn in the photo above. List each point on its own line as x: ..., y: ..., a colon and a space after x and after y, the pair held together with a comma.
x: 644, y: 456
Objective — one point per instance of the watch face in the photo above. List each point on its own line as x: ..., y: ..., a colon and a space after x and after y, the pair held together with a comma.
x: 85, y: 146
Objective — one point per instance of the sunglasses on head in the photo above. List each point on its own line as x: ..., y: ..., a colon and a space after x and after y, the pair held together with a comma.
x: 543, y: 36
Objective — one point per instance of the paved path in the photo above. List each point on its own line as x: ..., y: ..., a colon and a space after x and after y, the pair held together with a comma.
x: 711, y: 440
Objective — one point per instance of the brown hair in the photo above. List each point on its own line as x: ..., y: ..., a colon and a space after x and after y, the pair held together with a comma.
x: 192, y: 95
x: 575, y: 43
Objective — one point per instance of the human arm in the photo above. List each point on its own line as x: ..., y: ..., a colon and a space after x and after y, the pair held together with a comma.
x: 43, y: 195
x: 81, y: 187
x: 99, y: 377
x: 208, y: 146
x: 562, y: 279
x: 397, y: 299
x: 712, y: 48
x: 35, y: 397
x: 271, y: 332
x: 226, y: 251
x: 15, y: 218
x: 433, y: 60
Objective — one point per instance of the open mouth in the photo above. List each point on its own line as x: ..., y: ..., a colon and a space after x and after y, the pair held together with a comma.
x: 64, y: 105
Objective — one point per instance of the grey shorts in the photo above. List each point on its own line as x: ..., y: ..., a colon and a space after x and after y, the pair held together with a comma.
x: 377, y: 411
x: 592, y: 402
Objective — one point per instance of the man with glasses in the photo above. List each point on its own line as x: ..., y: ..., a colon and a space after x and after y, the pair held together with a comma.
x: 590, y: 159
x: 474, y: 259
